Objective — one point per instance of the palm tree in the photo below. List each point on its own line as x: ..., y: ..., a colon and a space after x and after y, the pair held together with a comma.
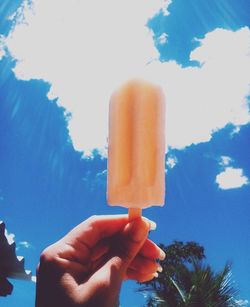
x: 186, y: 281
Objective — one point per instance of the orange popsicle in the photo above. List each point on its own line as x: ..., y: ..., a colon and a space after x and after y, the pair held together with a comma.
x: 136, y: 151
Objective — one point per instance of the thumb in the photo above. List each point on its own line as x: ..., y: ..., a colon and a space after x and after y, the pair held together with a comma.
x: 134, y: 235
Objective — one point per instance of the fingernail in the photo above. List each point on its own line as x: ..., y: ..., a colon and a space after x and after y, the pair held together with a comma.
x: 162, y: 255
x: 152, y: 224
x: 159, y: 268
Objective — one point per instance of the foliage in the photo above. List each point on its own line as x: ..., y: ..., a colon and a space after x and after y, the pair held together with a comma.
x: 10, y: 264
x: 186, y: 281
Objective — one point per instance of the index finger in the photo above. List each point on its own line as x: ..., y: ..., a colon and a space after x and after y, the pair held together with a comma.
x: 96, y: 228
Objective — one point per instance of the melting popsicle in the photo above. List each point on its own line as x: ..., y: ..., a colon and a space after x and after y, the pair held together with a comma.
x: 136, y: 150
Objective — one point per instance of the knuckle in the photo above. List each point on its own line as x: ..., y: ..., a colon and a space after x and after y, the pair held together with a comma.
x: 92, y: 219
x: 45, y: 256
x: 48, y: 256
x: 89, y: 222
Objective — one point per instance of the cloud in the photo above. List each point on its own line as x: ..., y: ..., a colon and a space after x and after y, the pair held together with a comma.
x: 95, y: 180
x: 162, y: 39
x: 236, y: 130
x: 225, y: 161
x: 204, y: 99
x: 171, y: 162
x: 20, y: 258
x: 231, y: 178
x: 2, y: 52
x: 24, y: 244
x: 101, y: 179
x: 85, y: 50
x: 242, y: 302
x: 33, y: 278
x: 164, y: 7
x: 9, y: 236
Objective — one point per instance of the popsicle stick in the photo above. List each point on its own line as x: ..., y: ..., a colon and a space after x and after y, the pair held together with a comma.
x: 134, y: 213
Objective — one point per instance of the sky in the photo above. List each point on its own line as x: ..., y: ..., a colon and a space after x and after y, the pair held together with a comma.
x: 56, y: 78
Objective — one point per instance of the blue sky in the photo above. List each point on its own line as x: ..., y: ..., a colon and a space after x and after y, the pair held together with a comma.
x: 47, y: 186
x: 195, y: 20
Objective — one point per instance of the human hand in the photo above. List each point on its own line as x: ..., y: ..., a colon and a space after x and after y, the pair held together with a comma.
x: 86, y: 267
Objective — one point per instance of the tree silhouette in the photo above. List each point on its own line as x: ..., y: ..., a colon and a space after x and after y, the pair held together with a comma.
x: 11, y: 266
x: 186, y: 281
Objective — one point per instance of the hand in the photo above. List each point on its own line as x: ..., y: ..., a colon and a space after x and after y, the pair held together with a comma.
x: 87, y: 266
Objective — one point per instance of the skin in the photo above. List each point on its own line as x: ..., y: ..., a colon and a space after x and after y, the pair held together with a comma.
x: 88, y: 265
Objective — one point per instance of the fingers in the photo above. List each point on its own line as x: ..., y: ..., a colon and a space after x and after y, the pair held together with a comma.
x: 149, y: 250
x: 132, y: 240
x: 152, y: 251
x: 144, y: 265
x: 125, y: 246
x: 94, y: 229
x: 138, y: 276
x: 100, y: 250
x: 143, y: 269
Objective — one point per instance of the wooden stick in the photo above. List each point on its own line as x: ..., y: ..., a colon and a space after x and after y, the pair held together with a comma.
x: 134, y: 213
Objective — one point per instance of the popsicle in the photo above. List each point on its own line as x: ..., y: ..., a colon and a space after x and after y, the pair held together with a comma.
x: 136, y: 147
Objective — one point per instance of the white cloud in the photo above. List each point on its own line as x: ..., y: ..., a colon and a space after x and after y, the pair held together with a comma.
x: 9, y: 236
x: 171, y: 162
x: 24, y: 244
x: 236, y: 130
x: 225, y: 161
x: 242, y: 302
x: 101, y: 179
x: 2, y: 52
x: 85, y: 49
x: 20, y: 258
x: 231, y: 178
x: 93, y: 181
x: 33, y: 278
x: 162, y: 39
x: 164, y: 7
